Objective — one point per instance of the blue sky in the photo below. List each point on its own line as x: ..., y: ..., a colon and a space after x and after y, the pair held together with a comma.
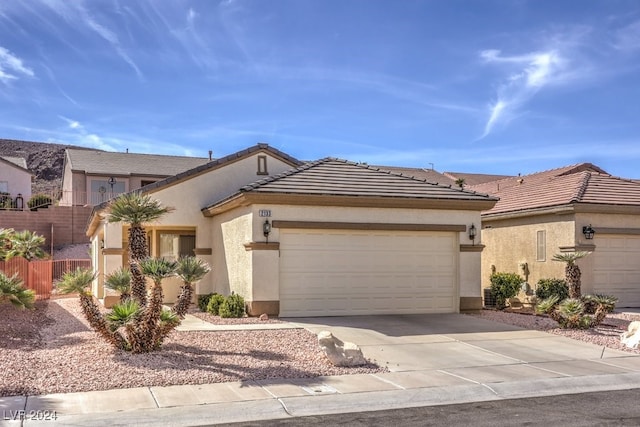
x: 501, y: 87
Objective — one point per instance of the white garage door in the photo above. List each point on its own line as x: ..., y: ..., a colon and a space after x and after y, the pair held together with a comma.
x: 616, y: 267
x: 345, y: 272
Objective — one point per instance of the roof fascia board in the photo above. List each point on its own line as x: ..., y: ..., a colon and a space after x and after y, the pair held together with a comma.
x: 556, y: 210
x: 244, y: 199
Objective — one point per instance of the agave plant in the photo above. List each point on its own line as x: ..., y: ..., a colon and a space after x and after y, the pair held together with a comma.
x: 13, y: 291
x: 120, y: 281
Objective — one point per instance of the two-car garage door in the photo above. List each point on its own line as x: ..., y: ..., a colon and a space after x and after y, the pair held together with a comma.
x: 347, y: 272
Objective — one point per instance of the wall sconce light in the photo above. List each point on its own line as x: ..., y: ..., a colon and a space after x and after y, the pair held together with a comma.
x: 266, y: 229
x: 588, y: 232
x: 472, y: 232
x: 101, y: 243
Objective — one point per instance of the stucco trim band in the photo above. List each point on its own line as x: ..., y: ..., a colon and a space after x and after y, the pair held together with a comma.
x: 470, y: 303
x: 113, y: 251
x: 202, y: 251
x: 262, y: 246
x: 471, y: 248
x: 367, y: 226
x: 578, y: 248
x: 608, y: 230
x: 256, y: 308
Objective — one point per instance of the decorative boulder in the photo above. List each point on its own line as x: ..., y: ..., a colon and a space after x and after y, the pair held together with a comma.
x: 340, y: 353
x: 631, y: 338
x: 264, y: 317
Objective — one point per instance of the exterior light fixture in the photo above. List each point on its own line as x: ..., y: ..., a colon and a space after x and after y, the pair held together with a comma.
x: 112, y: 181
x: 266, y: 229
x: 588, y: 232
x: 472, y: 232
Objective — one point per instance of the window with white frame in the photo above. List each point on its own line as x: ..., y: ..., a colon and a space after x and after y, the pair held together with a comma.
x: 4, y: 186
x: 541, y: 246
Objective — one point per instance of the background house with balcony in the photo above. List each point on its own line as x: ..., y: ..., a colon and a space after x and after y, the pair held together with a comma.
x: 15, y: 183
x: 92, y: 177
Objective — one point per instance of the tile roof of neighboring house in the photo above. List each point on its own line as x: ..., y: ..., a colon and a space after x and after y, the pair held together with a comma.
x: 335, y: 177
x: 420, y: 173
x: 112, y: 163
x: 471, y: 179
x: 16, y: 161
x: 582, y: 183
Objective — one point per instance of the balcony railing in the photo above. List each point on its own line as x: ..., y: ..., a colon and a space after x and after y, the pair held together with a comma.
x: 17, y: 202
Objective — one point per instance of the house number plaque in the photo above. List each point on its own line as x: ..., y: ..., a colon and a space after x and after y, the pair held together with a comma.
x: 264, y: 212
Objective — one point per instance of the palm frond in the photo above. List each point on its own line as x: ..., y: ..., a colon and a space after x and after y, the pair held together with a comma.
x: 570, y: 257
x: 191, y: 269
x: 76, y: 281
x: 158, y: 268
x: 13, y: 291
x: 136, y: 208
x: 119, y: 280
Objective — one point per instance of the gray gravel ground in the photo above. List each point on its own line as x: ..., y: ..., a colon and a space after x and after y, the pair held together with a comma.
x: 52, y: 350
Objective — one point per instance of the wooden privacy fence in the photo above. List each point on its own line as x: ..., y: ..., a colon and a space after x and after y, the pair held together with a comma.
x: 39, y: 275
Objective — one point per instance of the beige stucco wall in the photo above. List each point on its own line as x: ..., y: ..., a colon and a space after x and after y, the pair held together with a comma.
x: 18, y: 181
x: 511, y: 243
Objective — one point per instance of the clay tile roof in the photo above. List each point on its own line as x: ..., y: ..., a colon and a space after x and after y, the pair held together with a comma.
x: 582, y: 183
x: 337, y: 177
x: 115, y: 163
x: 471, y: 179
x: 430, y: 175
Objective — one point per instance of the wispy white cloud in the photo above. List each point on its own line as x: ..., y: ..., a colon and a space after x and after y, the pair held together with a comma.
x: 11, y: 67
x: 85, y: 137
x: 627, y: 39
x: 528, y: 74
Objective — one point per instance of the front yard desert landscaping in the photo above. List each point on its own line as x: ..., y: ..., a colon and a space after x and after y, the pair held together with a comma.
x: 52, y: 349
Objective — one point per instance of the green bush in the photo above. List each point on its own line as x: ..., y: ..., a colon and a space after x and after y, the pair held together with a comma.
x: 203, y: 301
x: 39, y: 201
x: 605, y: 302
x: 215, y: 302
x: 505, y: 286
x: 547, y: 288
x: 233, y: 306
x: 574, y: 313
x: 6, y: 202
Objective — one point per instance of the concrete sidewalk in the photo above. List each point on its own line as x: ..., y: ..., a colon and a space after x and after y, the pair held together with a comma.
x: 433, y: 360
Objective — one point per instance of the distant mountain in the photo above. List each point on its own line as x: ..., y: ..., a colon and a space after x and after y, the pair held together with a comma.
x: 43, y: 159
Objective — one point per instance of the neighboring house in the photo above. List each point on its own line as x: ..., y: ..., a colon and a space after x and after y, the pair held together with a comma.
x: 545, y: 213
x: 322, y: 238
x: 91, y: 177
x: 15, y: 183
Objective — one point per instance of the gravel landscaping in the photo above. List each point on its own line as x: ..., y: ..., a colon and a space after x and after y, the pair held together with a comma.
x: 606, y: 334
x: 52, y: 350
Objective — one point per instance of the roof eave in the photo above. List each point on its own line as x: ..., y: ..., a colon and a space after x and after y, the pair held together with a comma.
x: 247, y: 198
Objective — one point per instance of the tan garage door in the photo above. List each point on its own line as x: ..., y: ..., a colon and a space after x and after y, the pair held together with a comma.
x: 344, y: 272
x: 616, y: 268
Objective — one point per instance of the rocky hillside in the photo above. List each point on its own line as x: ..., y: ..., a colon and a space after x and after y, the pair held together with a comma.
x: 44, y: 160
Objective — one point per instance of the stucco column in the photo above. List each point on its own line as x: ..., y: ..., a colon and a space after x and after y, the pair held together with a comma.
x: 265, y: 295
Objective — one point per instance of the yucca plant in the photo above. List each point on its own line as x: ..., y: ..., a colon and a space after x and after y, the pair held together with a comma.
x: 572, y: 315
x: 157, y: 269
x: 123, y: 314
x: 572, y: 271
x: 136, y: 210
x: 77, y: 282
x: 120, y: 281
x: 191, y: 270
x: 13, y: 291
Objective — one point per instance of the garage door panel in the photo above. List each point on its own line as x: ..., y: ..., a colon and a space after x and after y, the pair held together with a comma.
x: 616, y: 268
x: 357, y: 272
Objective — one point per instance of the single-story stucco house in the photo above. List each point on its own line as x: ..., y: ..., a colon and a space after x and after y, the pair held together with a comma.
x: 322, y: 238
x: 556, y: 211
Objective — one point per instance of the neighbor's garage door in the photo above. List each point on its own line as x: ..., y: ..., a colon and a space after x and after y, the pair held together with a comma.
x: 616, y: 267
x: 345, y: 272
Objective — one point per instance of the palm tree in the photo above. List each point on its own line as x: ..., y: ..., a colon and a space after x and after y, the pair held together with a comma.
x: 190, y: 270
x: 77, y: 282
x: 136, y: 210
x: 27, y: 245
x: 120, y: 281
x: 572, y: 271
x: 12, y: 290
x: 157, y: 269
x: 6, y: 235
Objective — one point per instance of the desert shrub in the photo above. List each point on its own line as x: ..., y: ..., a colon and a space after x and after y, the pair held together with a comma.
x: 577, y: 313
x: 6, y: 202
x: 203, y: 301
x: 233, y: 306
x: 39, y: 201
x: 592, y: 302
x: 505, y: 286
x: 215, y: 302
x: 547, y: 288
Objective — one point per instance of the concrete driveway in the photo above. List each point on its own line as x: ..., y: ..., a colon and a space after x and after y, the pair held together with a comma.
x: 452, y: 349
